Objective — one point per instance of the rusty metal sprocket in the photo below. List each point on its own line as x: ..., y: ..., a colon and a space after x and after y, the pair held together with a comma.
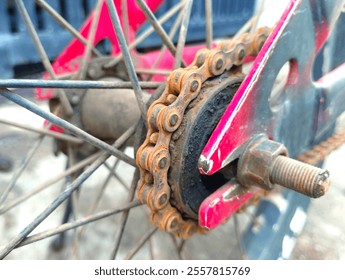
x: 189, y: 187
x: 165, y: 116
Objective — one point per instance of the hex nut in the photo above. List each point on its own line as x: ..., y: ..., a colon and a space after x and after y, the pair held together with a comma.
x: 256, y: 161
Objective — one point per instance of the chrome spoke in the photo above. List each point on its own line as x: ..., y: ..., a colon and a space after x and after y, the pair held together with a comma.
x: 146, y: 33
x: 10, y: 205
x: 81, y: 74
x: 65, y: 24
x: 141, y: 243
x: 125, y: 20
x: 158, y: 27
x: 153, y: 71
x: 94, y: 205
x: 68, y: 126
x: 114, y: 174
x: 238, y: 237
x: 127, y: 58
x: 183, y: 33
x: 43, y: 55
x: 124, y: 217
x: 151, y: 251
x: 60, y: 136
x: 28, y: 83
x: 163, y: 49
x: 20, y: 170
x: 6, y: 249
x: 77, y: 223
x: 178, y: 247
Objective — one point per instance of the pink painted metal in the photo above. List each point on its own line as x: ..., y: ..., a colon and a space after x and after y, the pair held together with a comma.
x: 235, y: 127
x: 68, y: 61
x: 221, y: 204
x: 249, y: 112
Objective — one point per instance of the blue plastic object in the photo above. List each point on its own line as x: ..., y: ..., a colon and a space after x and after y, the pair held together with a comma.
x: 16, y: 46
x: 228, y: 16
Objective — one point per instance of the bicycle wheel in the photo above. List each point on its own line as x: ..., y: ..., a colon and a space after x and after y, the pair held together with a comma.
x: 94, y: 107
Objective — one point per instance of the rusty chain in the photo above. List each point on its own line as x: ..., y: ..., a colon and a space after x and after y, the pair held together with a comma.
x: 165, y: 116
x: 319, y: 152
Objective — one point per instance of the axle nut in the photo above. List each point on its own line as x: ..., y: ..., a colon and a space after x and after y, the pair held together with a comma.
x: 255, y: 162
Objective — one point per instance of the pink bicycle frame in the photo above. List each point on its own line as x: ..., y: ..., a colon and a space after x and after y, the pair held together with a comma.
x: 307, y: 109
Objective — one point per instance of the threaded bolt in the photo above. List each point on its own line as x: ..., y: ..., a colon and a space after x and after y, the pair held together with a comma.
x: 298, y: 176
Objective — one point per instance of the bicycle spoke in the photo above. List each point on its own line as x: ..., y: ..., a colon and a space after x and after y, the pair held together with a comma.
x: 72, y: 159
x: 98, y: 196
x: 60, y: 136
x: 43, y: 55
x: 20, y: 170
x: 127, y: 58
x: 146, y: 33
x: 141, y: 243
x: 238, y: 237
x: 77, y: 223
x: 178, y: 247
x: 6, y: 249
x: 208, y: 20
x: 183, y: 33
x: 153, y: 72
x: 125, y: 20
x: 91, y: 38
x: 50, y: 182
x: 32, y: 83
x: 68, y: 126
x: 96, y: 202
x: 117, y: 177
x: 255, y: 19
x: 158, y: 27
x: 65, y: 24
x: 124, y: 216
x: 163, y: 49
x: 74, y: 198
x: 151, y: 252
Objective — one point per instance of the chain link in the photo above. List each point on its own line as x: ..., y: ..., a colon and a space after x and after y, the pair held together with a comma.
x: 319, y: 152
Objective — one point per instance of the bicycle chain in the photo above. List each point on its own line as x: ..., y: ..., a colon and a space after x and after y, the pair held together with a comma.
x: 319, y: 152
x: 165, y: 116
